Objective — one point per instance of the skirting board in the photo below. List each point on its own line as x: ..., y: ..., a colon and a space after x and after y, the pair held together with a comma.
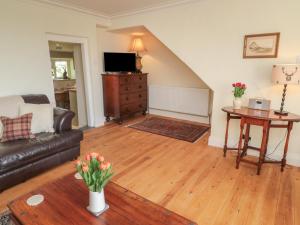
x: 181, y: 116
x: 292, y: 158
x: 100, y: 122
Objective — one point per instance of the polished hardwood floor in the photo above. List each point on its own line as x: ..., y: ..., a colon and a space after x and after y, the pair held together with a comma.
x: 192, y: 179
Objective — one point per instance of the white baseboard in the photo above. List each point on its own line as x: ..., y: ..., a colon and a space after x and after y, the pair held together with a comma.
x: 99, y: 123
x: 181, y: 116
x: 292, y: 158
x: 219, y: 142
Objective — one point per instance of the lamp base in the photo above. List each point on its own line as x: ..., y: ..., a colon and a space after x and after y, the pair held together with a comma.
x: 281, y: 113
x: 138, y: 64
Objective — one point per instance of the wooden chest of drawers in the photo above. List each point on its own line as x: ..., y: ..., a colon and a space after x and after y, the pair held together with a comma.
x: 124, y: 95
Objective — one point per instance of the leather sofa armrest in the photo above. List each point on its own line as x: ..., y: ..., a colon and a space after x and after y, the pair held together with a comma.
x: 62, y: 120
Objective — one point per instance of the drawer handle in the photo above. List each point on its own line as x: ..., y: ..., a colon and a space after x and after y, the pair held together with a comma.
x: 127, y: 98
x: 140, y: 86
x: 126, y: 88
x: 140, y: 95
x: 140, y: 78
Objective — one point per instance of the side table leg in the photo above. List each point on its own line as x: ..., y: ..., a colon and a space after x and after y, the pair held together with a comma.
x: 267, y: 142
x: 226, y: 135
x: 286, y: 146
x: 263, y: 146
x: 238, y: 158
x: 245, y: 148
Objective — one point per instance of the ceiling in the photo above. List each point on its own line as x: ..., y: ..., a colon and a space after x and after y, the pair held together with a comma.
x: 112, y: 8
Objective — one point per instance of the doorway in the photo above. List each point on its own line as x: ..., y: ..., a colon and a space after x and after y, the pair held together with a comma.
x: 68, y: 79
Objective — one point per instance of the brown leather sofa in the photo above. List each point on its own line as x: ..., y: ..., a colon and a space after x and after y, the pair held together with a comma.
x: 22, y: 159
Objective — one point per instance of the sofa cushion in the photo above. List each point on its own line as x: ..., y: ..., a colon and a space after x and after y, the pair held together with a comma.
x: 16, y: 128
x: 9, y: 108
x: 18, y: 153
x: 36, y: 99
x: 42, y: 118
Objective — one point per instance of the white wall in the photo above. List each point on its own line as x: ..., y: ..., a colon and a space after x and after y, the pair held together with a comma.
x: 163, y: 66
x: 111, y: 42
x: 208, y: 36
x: 166, y: 69
x: 25, y: 60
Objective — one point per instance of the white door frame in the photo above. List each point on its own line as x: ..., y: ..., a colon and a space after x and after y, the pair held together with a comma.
x: 86, y: 69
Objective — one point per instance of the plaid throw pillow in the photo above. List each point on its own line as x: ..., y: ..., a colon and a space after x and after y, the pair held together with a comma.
x: 17, y: 128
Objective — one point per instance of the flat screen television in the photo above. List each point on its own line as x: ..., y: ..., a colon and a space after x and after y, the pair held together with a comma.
x: 119, y: 62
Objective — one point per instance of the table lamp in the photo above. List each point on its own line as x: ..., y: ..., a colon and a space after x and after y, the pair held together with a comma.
x: 285, y: 74
x: 138, y: 46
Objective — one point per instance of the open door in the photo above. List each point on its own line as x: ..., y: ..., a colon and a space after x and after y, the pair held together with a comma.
x: 68, y: 79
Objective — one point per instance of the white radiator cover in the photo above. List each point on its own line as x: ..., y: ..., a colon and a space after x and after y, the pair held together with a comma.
x: 193, y: 101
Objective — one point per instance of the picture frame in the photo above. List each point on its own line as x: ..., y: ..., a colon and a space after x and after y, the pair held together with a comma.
x: 261, y: 45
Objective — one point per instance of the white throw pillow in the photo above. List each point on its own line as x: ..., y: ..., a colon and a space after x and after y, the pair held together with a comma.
x: 42, y: 119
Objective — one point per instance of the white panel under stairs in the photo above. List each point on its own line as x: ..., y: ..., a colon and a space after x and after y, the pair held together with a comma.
x: 193, y: 101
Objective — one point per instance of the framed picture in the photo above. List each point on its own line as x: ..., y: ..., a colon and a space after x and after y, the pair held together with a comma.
x: 261, y: 45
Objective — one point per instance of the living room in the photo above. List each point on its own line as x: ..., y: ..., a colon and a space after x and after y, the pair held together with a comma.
x: 194, y: 44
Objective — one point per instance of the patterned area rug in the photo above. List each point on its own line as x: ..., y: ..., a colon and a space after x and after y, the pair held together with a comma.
x: 5, y: 219
x: 171, y: 128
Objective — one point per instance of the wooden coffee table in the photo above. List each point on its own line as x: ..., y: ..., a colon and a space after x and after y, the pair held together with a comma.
x: 66, y: 200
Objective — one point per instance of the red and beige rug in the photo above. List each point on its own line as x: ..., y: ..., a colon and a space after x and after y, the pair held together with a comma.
x: 172, y: 128
x: 5, y: 218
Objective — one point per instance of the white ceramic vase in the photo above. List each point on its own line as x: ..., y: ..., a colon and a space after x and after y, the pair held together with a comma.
x: 97, y: 201
x: 237, y: 103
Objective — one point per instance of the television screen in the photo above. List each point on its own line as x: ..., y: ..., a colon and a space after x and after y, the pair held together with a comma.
x: 119, y: 62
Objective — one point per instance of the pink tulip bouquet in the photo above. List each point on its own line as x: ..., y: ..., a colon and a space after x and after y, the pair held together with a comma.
x: 95, y: 171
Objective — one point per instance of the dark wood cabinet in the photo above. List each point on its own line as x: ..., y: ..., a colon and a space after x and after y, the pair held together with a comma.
x: 124, y: 95
x: 62, y: 99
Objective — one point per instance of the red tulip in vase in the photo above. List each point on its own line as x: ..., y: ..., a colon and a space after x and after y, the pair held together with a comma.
x: 238, y: 92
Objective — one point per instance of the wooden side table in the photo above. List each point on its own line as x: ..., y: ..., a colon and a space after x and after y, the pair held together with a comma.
x: 261, y: 118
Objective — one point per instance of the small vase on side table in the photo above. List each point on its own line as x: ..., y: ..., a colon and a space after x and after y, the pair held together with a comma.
x: 237, y: 103
x: 238, y: 91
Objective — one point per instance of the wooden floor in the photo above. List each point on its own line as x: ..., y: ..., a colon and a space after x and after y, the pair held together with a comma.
x: 193, y: 180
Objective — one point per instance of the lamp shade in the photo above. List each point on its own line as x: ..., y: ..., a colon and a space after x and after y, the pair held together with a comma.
x: 286, y: 74
x: 138, y: 45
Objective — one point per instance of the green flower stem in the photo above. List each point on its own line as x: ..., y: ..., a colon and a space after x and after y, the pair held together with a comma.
x: 95, y: 178
x: 238, y: 92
